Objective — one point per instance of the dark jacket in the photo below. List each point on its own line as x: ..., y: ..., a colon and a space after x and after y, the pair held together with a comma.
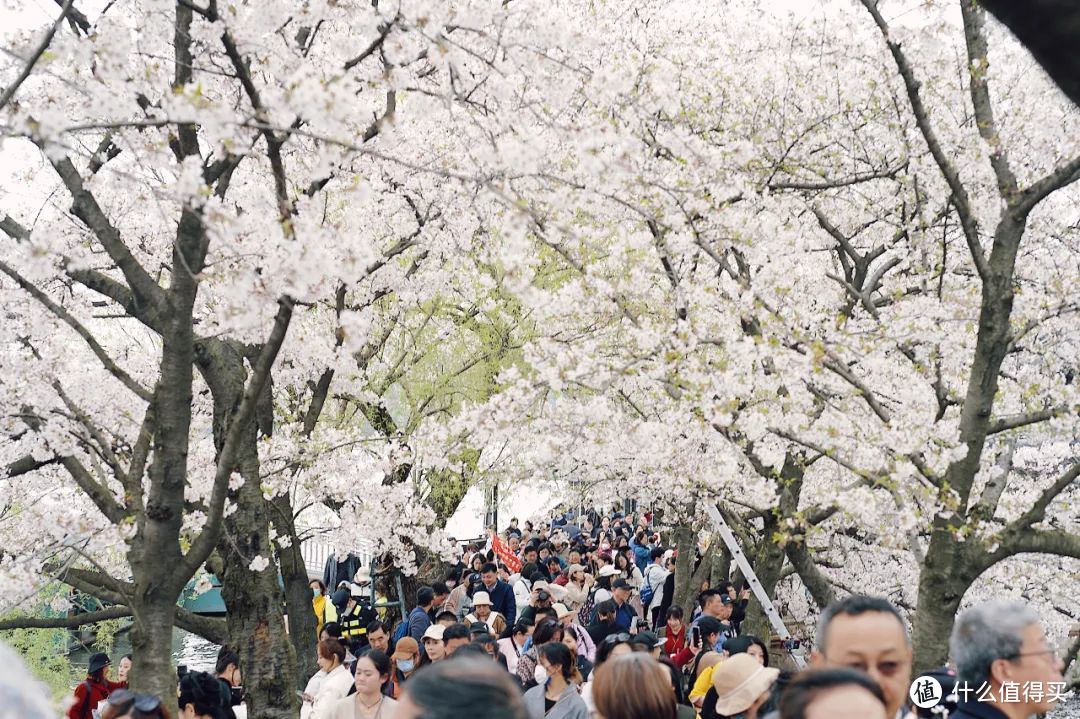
x: 601, y: 631
x: 977, y: 710
x: 419, y: 621
x: 502, y: 600
x: 336, y: 572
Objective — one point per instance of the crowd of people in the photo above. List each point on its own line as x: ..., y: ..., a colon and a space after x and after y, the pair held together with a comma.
x: 571, y: 620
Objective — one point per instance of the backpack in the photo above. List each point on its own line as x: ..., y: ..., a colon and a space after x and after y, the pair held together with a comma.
x: 585, y: 613
x: 646, y: 589
x: 401, y: 630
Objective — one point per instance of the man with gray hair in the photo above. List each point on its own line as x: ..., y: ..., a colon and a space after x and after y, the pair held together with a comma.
x: 1006, y: 668
x: 867, y: 634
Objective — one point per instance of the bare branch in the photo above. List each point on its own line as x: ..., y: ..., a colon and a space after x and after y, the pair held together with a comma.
x: 1004, y: 424
x: 110, y: 365
x: 978, y: 69
x: 10, y: 90
x: 961, y: 202
x: 1062, y: 176
x: 77, y: 620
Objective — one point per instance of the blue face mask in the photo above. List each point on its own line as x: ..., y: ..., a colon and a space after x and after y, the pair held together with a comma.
x: 318, y: 593
x: 406, y: 665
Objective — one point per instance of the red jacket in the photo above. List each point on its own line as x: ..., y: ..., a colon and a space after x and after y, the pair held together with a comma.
x: 674, y: 643
x: 83, y: 709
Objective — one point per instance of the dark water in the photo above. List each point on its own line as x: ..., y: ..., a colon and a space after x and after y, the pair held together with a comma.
x: 188, y: 649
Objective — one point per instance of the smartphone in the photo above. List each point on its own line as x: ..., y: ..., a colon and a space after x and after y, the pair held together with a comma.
x: 695, y: 635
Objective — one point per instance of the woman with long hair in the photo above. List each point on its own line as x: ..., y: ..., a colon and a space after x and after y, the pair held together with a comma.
x: 557, y: 696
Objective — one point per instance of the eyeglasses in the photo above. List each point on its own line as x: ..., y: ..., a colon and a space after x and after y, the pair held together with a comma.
x: 620, y: 638
x: 1050, y: 649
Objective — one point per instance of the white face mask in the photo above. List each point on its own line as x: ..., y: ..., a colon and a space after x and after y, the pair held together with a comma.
x: 540, y: 674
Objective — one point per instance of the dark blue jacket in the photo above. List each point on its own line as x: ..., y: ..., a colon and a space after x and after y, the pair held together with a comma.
x: 502, y: 600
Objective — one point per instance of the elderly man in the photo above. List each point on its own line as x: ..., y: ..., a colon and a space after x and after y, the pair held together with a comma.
x: 1005, y: 667
x: 868, y: 634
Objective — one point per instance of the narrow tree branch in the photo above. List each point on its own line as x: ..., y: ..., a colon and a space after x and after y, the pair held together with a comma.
x: 10, y: 90
x: 72, y: 622
x: 110, y: 365
x: 961, y: 202
x: 1004, y: 424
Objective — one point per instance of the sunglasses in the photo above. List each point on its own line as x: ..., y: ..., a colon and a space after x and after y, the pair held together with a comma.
x: 620, y: 638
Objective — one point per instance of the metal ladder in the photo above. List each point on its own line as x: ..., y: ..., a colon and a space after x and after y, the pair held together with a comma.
x: 748, y: 573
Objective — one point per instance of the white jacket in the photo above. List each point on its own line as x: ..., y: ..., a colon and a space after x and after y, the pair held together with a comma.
x: 522, y: 593
x: 333, y: 689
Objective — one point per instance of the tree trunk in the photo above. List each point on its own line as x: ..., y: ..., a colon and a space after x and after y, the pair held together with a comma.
x: 294, y: 574
x: 686, y: 546
x: 940, y: 590
x: 768, y: 563
x: 721, y: 566
x: 254, y: 602
x: 151, y: 650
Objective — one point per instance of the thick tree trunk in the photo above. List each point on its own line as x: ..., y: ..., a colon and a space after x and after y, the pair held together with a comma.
x: 294, y: 574
x: 686, y: 546
x: 254, y: 602
x: 151, y: 650
x: 768, y: 563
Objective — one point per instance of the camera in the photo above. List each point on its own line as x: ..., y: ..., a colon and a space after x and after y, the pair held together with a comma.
x: 543, y: 596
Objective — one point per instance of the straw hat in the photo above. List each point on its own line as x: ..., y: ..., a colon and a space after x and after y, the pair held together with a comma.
x: 739, y: 681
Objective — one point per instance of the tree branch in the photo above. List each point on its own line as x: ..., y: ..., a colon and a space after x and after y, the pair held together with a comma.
x: 205, y: 542
x: 110, y: 365
x: 1004, y: 424
x: 961, y: 202
x: 72, y: 622
x: 10, y: 90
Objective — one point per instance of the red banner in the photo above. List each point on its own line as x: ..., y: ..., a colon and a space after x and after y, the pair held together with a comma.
x: 502, y: 551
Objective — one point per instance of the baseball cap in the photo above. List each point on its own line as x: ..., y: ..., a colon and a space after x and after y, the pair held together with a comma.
x: 620, y: 584
x: 647, y: 639
x: 435, y: 631
x: 405, y: 648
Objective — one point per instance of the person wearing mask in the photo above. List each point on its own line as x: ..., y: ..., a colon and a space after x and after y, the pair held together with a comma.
x: 674, y: 632
x: 404, y: 661
x: 513, y: 645
x: 324, y: 608
x: 354, y: 620
x: 483, y: 613
x: 201, y: 696
x: 470, y: 687
x: 93, y: 690
x: 1002, y: 643
x: 338, y: 681
x: 832, y: 694
x: 499, y: 592
x: 605, y: 625
x: 546, y: 631
x: 434, y: 650
x: 369, y: 702
x: 555, y: 695
x: 740, y: 687
x: 634, y: 686
x: 868, y: 634
x: 228, y: 673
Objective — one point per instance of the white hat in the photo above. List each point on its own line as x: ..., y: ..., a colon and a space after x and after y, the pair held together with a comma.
x: 608, y: 570
x: 481, y: 598
x: 435, y: 631
x: 356, y: 590
x: 561, y: 610
x: 363, y: 576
